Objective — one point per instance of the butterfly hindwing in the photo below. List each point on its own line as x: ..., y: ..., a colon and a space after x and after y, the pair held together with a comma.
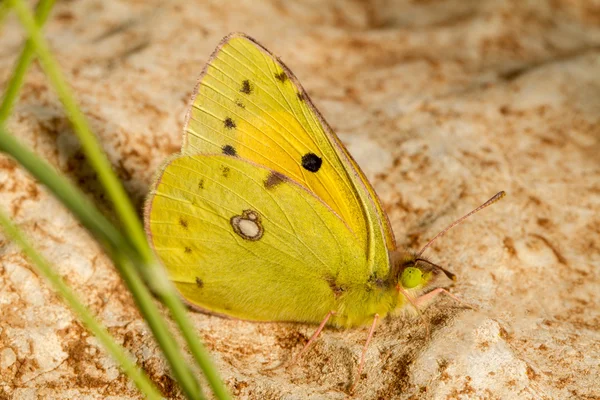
x: 242, y: 240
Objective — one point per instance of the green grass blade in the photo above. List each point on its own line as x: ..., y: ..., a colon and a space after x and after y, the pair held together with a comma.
x: 144, y: 300
x: 201, y: 356
x: 4, y: 9
x: 154, y: 273
x: 90, y: 144
x: 118, y: 247
x: 67, y: 193
x: 27, y: 55
x: 118, y: 353
x: 113, y: 239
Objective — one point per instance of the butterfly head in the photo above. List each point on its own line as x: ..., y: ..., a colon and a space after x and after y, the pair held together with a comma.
x: 413, y: 277
x: 415, y: 272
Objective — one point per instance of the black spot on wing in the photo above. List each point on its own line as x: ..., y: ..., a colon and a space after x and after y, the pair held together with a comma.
x: 281, y: 77
x: 301, y: 96
x: 183, y: 223
x: 240, y: 104
x: 311, y: 162
x: 187, y: 250
x: 201, y: 184
x: 229, y: 150
x: 247, y: 87
x: 229, y: 123
x: 199, y: 283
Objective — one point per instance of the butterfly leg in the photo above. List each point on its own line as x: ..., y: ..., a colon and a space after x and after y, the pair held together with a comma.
x: 364, y: 353
x: 312, y: 338
x: 415, y: 305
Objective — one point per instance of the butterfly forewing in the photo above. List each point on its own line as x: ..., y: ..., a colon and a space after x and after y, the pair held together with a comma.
x: 249, y: 105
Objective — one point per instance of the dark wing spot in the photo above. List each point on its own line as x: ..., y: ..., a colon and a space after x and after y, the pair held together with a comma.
x: 246, y: 87
x: 274, y: 179
x: 281, y: 77
x: 199, y: 283
x: 311, y: 162
x: 201, y: 184
x: 187, y: 250
x: 225, y: 171
x: 183, y: 223
x: 229, y: 124
x: 229, y: 150
x: 301, y: 96
x: 240, y: 104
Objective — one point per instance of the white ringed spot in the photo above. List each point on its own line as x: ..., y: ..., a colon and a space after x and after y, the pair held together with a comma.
x: 247, y: 225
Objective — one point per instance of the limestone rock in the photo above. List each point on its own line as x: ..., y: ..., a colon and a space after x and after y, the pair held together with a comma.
x: 442, y: 103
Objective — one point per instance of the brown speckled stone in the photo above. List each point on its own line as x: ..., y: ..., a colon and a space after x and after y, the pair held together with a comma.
x: 442, y: 103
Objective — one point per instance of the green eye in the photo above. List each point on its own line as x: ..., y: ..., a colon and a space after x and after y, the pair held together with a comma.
x: 411, y: 277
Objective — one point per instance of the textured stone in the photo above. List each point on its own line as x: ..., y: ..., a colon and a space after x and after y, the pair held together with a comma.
x: 443, y: 103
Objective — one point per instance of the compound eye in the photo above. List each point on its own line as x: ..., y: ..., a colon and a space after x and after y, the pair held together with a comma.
x: 411, y: 277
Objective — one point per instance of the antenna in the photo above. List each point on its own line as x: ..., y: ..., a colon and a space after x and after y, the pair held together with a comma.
x: 449, y: 274
x: 491, y: 201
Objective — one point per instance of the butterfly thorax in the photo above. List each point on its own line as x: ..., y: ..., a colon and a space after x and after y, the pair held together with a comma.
x: 359, y: 304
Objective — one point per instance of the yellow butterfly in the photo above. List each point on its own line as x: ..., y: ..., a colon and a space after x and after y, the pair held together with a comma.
x: 265, y: 216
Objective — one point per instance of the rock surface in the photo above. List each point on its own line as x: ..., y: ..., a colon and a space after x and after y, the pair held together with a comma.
x: 443, y: 104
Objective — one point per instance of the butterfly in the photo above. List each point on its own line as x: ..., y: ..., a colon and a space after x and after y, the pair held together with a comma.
x: 265, y: 216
